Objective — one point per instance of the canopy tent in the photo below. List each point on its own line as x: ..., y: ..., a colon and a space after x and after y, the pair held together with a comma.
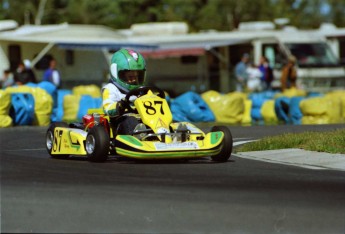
x: 107, y: 46
x: 66, y: 36
x: 8, y: 25
x: 187, y: 48
x: 97, y: 37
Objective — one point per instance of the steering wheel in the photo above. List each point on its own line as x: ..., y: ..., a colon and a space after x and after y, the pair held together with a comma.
x: 138, y: 92
x: 141, y: 91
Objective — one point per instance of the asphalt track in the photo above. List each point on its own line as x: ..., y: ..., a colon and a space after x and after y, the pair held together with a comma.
x: 44, y: 195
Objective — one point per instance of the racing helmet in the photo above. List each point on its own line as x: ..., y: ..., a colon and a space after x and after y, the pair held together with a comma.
x: 127, y: 69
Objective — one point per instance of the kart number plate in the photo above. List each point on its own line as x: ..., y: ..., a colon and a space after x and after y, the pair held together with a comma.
x: 184, y: 145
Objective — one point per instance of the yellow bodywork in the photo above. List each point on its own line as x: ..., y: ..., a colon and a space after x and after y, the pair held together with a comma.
x: 210, y: 144
x: 69, y: 141
x: 154, y: 112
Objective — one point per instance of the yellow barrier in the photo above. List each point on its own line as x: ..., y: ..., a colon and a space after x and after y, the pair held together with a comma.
x: 321, y: 110
x: 92, y: 90
x: 5, y: 102
x: 340, y: 95
x: 247, y: 118
x: 227, y: 108
x: 292, y: 92
x: 268, y: 113
x: 5, y: 121
x: 70, y: 107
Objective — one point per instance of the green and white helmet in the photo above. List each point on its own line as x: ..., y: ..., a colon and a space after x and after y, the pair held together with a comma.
x: 127, y: 69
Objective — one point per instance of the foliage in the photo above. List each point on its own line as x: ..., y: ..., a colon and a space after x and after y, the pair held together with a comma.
x: 199, y: 14
x: 330, y: 142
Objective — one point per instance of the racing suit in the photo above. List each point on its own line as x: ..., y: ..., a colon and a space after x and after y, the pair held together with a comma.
x: 111, y: 95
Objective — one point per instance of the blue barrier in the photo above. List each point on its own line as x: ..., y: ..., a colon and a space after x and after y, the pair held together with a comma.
x: 295, y: 112
x: 281, y: 107
x: 61, y: 93
x: 87, y: 102
x: 191, y: 107
x: 51, y: 89
x: 22, y: 111
x: 258, y: 100
x: 255, y: 114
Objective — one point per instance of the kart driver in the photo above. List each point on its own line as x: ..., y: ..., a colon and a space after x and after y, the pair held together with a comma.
x: 127, y: 72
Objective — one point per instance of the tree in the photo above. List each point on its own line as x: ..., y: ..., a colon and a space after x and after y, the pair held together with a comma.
x: 28, y: 12
x: 199, y: 14
x: 337, y: 13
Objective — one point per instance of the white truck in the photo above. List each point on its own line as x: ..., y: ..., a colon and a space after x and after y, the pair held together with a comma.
x: 318, y: 66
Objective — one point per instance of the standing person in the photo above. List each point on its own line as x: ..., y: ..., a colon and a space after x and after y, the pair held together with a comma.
x: 24, y: 74
x: 241, y: 73
x: 289, y: 74
x: 52, y: 74
x: 266, y: 73
x: 254, y: 79
x: 31, y: 74
x: 7, y: 79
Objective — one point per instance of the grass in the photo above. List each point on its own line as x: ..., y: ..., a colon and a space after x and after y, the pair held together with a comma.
x: 329, y: 142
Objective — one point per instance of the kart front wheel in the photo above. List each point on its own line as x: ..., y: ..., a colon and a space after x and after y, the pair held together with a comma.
x: 97, y: 144
x: 227, y: 143
x: 50, y: 138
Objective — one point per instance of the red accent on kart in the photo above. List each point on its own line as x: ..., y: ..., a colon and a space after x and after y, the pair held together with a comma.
x: 89, y: 121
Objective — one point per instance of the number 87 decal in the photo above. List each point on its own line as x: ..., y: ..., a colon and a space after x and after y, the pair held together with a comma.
x: 150, y: 107
x: 57, y: 140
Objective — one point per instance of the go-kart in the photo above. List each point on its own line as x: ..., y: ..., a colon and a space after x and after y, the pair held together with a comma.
x: 144, y: 129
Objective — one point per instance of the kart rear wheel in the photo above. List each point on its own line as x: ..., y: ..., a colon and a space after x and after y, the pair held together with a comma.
x: 50, y: 139
x: 227, y: 143
x: 97, y: 144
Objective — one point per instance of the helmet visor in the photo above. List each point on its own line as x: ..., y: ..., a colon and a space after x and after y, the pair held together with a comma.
x: 132, y: 77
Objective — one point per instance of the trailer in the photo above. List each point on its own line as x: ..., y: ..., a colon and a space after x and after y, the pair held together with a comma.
x: 81, y: 51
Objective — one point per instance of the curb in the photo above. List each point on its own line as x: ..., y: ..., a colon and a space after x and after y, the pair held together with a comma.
x: 298, y: 157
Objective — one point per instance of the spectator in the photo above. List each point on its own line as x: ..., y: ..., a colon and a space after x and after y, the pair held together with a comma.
x: 289, y: 74
x: 241, y: 73
x: 7, y: 79
x: 254, y: 76
x: 266, y: 73
x: 32, y: 77
x: 52, y: 74
x: 24, y: 74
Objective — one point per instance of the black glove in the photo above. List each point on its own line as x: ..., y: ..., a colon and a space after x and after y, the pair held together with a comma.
x: 121, y: 107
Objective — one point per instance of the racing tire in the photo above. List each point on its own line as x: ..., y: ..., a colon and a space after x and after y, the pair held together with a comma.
x: 97, y: 144
x: 50, y: 139
x: 227, y: 144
